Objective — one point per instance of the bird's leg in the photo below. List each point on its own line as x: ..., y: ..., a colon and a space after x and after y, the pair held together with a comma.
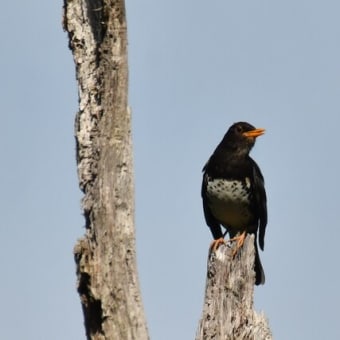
x: 240, y: 240
x: 216, y: 243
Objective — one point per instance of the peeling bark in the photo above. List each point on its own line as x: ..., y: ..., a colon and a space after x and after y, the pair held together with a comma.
x: 228, y: 311
x: 105, y: 257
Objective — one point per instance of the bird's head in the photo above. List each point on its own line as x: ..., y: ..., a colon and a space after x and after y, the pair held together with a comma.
x: 241, y: 136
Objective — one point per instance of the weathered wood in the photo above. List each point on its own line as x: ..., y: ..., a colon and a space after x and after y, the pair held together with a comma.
x: 228, y: 312
x: 105, y: 257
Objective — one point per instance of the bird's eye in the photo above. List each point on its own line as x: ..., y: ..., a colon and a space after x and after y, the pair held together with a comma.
x: 239, y: 128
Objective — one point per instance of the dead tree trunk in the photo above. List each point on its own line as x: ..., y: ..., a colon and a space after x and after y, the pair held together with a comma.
x: 228, y: 312
x: 105, y: 257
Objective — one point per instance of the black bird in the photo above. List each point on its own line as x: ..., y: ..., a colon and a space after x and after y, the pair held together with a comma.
x: 233, y: 191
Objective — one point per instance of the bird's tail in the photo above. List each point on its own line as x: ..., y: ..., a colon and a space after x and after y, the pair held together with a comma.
x: 260, y: 278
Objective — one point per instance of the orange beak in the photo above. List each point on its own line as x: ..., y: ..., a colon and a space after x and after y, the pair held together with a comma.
x: 254, y: 133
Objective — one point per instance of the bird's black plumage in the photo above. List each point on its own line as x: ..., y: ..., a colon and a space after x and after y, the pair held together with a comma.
x: 233, y: 190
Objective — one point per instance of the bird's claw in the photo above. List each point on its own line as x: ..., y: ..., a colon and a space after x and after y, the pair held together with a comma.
x: 240, y: 240
x: 216, y: 243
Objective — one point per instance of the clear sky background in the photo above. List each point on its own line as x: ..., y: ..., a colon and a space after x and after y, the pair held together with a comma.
x: 196, y: 67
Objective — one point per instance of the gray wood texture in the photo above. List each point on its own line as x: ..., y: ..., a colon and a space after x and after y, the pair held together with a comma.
x: 105, y: 256
x: 228, y: 311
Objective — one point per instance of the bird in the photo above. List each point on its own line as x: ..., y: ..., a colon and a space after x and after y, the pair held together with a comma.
x: 233, y: 192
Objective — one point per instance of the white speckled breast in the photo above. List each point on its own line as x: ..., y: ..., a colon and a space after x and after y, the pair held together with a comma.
x: 229, y: 202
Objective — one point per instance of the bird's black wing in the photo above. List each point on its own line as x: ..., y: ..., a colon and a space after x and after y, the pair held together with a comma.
x: 213, y: 224
x: 260, y: 201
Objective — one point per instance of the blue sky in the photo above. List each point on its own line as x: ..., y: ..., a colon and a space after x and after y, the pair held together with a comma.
x: 195, y: 68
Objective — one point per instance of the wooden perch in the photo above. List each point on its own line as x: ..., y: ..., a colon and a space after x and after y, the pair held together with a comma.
x: 228, y: 312
x: 105, y: 256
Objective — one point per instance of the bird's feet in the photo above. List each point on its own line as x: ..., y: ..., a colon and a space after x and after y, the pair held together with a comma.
x: 216, y: 243
x: 240, y: 240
